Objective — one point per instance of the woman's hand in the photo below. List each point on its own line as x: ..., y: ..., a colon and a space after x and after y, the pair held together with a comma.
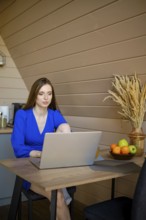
x: 65, y: 128
x: 35, y: 153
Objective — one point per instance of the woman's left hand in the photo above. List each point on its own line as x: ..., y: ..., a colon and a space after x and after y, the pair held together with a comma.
x: 35, y: 153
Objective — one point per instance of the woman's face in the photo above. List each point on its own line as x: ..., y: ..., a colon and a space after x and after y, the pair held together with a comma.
x: 44, y: 96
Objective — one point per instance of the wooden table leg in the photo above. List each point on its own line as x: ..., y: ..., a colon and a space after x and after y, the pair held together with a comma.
x: 15, y: 199
x: 53, y: 204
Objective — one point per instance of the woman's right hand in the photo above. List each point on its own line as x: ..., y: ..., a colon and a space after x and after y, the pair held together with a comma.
x: 35, y: 153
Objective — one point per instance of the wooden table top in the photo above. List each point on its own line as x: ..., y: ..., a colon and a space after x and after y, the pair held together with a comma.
x: 6, y: 130
x: 50, y: 179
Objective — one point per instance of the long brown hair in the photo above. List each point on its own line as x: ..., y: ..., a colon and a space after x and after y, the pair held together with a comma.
x: 34, y: 92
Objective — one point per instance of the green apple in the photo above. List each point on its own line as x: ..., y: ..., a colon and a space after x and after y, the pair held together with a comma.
x: 132, y: 149
x: 123, y: 142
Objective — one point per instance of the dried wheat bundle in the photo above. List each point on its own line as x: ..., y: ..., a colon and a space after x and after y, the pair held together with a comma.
x: 130, y: 94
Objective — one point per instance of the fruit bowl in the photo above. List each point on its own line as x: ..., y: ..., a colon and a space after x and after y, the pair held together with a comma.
x: 122, y: 156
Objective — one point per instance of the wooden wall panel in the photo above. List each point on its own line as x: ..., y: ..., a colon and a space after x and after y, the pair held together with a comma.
x: 10, y: 73
x: 93, y: 99
x: 12, y: 87
x: 97, y: 71
x: 92, y: 123
x: 64, y: 15
x: 8, y: 94
x: 84, y: 24
x: 96, y: 192
x: 111, y: 53
x: 83, y: 87
x: 37, y: 8
x: 118, y: 32
x: 125, y: 190
x: 13, y: 10
x: 5, y: 4
x: 12, y: 83
x: 79, y: 51
x: 91, y: 111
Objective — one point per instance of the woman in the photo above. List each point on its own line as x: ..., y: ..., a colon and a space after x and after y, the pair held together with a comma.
x: 40, y: 115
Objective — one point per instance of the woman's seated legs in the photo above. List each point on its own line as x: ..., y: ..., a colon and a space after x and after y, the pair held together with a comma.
x: 62, y: 208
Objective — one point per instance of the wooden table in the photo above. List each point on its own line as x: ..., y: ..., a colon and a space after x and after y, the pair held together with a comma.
x: 6, y: 130
x: 53, y: 179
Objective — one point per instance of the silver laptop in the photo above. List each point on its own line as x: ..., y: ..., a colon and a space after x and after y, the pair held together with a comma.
x: 68, y: 149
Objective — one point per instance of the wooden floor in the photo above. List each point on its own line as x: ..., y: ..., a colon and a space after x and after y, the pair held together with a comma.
x: 41, y: 211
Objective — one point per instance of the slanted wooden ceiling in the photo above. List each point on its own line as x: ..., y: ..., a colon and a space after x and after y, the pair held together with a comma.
x: 78, y: 45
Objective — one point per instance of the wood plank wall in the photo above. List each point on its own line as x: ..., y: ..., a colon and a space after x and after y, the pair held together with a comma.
x: 12, y: 86
x: 79, y: 45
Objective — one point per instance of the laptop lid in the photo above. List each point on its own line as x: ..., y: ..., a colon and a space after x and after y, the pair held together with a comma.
x: 68, y: 149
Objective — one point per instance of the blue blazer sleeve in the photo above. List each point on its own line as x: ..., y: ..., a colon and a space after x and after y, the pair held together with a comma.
x: 58, y: 119
x: 18, y: 136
